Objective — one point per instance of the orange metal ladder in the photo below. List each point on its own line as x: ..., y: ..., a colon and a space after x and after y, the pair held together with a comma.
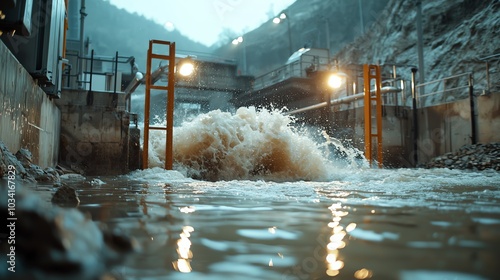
x: 372, y: 72
x: 169, y: 88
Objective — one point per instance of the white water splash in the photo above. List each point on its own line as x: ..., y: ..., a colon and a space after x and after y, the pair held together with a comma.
x: 249, y: 144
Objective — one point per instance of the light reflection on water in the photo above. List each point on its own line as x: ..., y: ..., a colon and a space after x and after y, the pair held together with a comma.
x: 377, y: 226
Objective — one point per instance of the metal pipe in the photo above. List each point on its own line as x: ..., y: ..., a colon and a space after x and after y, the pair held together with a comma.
x: 245, y: 70
x: 116, y: 71
x: 443, y: 79
x: 327, y: 30
x: 415, y: 115
x: 341, y: 100
x: 115, y: 96
x: 472, y: 110
x: 91, y: 69
x: 420, y: 43
x: 487, y: 77
x: 82, y: 39
x: 90, y: 94
x: 328, y: 113
x: 68, y: 81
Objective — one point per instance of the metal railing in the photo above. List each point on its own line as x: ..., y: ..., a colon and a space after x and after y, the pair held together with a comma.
x: 492, y: 79
x: 445, y: 90
x: 299, y: 68
x: 441, y: 92
x: 96, y: 65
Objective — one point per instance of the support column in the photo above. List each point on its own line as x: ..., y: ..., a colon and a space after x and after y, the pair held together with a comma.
x: 372, y: 72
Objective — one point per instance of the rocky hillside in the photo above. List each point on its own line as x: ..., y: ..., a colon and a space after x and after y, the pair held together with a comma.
x: 268, y: 46
x: 456, y: 33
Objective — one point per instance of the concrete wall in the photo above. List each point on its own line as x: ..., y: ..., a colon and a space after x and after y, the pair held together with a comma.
x: 28, y: 118
x: 442, y: 128
x: 445, y: 128
x: 95, y: 138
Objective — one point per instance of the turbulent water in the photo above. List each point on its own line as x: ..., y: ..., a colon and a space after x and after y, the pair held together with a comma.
x: 255, y: 196
x: 249, y: 144
x: 364, y: 224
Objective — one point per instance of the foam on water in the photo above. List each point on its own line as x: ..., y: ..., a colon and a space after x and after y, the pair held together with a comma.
x: 236, y: 151
x: 249, y: 144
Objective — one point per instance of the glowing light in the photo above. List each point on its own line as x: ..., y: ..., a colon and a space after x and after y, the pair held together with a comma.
x: 139, y: 76
x: 183, y: 250
x: 363, y: 274
x: 282, y: 16
x: 184, y: 243
x: 276, y: 20
x: 237, y: 41
x: 186, y: 69
x: 335, y: 206
x: 169, y: 26
x: 337, y: 265
x: 350, y: 227
x: 272, y: 230
x: 331, y: 258
x: 334, y: 245
x: 338, y: 236
x: 334, y: 81
x: 332, y: 273
x: 340, y: 213
x: 336, y: 240
x: 271, y: 262
x: 188, y: 229
x: 333, y: 224
x: 187, y: 209
x: 338, y: 229
x: 182, y: 265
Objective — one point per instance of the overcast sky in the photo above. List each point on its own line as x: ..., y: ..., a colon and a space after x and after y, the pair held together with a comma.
x: 204, y: 20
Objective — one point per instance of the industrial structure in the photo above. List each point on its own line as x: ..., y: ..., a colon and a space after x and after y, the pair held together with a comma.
x: 72, y: 106
x: 69, y: 105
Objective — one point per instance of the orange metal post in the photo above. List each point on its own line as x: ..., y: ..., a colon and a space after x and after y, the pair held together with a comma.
x: 169, y: 161
x: 368, y: 114
x: 147, y: 105
x: 170, y: 103
x: 372, y: 72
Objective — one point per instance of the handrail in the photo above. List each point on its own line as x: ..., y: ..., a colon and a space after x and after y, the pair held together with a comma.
x: 294, y: 69
x: 342, y: 100
x: 109, y: 66
x: 420, y: 94
x: 441, y: 91
x: 444, y: 79
x: 489, y: 57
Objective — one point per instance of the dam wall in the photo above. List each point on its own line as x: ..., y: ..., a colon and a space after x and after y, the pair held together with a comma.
x: 28, y: 117
x: 97, y: 139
